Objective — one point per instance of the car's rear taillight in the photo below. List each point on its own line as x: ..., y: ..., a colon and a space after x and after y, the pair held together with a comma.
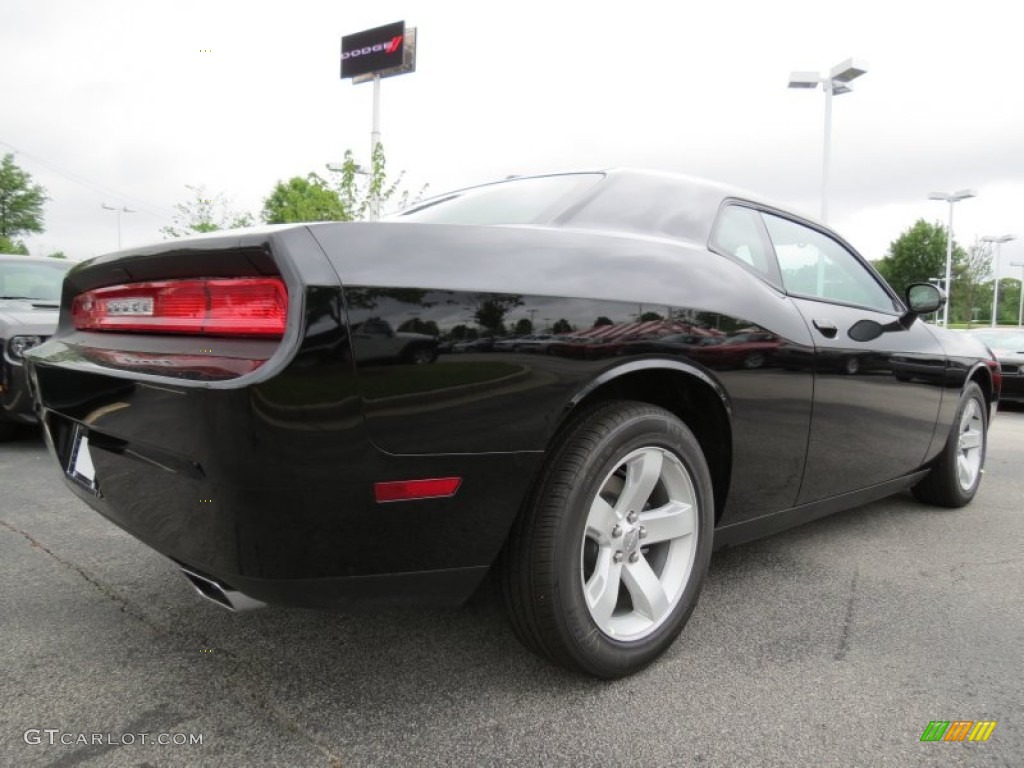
x: 212, y: 306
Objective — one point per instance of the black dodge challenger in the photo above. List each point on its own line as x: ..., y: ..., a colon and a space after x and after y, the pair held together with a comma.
x: 724, y: 369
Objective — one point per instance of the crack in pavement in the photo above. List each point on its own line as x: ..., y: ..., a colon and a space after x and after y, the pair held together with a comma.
x: 259, y: 699
x: 844, y: 637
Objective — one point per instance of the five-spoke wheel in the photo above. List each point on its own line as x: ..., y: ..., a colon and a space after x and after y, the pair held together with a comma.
x: 605, y: 564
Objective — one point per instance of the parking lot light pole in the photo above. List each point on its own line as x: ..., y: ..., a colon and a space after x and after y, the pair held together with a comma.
x: 995, y: 273
x: 836, y: 82
x: 951, y: 198
x: 1020, y: 309
x: 122, y: 209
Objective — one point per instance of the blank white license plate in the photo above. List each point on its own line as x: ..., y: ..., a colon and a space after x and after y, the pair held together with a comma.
x: 80, y: 466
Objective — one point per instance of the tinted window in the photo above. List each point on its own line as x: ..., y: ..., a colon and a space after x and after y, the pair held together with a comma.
x: 739, y: 233
x: 813, y: 264
x: 517, y: 201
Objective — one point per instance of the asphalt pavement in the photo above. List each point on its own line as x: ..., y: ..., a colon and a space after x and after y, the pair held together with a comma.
x: 834, y: 644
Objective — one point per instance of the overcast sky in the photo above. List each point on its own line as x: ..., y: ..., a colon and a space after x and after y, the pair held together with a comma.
x: 125, y: 103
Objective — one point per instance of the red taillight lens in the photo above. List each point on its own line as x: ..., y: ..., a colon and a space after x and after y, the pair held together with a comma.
x: 213, y: 306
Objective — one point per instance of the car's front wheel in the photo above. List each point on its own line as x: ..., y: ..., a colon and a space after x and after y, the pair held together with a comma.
x: 605, y: 565
x: 956, y: 476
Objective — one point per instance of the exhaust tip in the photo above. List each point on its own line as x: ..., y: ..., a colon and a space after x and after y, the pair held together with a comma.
x: 221, y: 594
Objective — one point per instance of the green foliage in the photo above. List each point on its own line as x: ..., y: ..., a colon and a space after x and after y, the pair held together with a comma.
x: 9, y: 245
x: 562, y: 326
x: 21, y: 203
x: 523, y: 327
x: 602, y: 320
x: 203, y: 213
x: 917, y: 255
x: 647, y: 317
x: 304, y: 199
x: 57, y: 255
x: 970, y: 295
x: 1009, y: 301
x: 358, y: 190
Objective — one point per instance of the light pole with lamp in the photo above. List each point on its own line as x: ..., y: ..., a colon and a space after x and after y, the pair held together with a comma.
x: 1020, y: 309
x: 995, y: 273
x: 836, y: 82
x: 122, y: 209
x: 951, y: 198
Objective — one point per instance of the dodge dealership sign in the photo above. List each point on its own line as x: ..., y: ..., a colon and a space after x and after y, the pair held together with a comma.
x: 373, y: 51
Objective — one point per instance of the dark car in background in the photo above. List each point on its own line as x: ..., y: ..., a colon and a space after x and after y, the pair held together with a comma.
x: 29, y: 304
x: 1007, y: 344
x: 595, y: 487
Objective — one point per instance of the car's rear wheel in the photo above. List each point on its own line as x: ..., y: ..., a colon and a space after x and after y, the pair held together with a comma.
x: 605, y: 565
x: 955, y: 478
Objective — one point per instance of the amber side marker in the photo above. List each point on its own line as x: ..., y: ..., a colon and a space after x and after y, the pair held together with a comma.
x: 409, y: 490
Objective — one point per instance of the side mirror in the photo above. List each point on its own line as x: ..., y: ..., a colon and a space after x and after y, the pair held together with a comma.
x: 924, y: 298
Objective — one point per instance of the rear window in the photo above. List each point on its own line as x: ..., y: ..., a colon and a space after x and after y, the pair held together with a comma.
x: 515, y: 201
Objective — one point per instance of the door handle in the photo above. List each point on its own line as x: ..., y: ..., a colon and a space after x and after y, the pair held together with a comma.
x: 827, y: 327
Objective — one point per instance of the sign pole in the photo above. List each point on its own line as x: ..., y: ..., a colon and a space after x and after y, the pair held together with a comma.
x: 374, y: 141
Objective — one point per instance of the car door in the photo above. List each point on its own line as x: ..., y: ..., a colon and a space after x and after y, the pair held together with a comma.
x: 875, y: 402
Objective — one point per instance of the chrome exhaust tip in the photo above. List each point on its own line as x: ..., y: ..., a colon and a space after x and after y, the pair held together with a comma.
x: 221, y: 594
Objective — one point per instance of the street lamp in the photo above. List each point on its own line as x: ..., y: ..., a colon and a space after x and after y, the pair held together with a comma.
x: 836, y: 82
x: 951, y: 198
x: 122, y: 209
x: 995, y: 271
x: 1020, y: 309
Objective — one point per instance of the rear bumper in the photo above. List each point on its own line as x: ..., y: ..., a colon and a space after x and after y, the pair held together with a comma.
x: 309, y: 533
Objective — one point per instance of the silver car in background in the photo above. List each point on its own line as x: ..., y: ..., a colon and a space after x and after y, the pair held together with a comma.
x: 29, y: 306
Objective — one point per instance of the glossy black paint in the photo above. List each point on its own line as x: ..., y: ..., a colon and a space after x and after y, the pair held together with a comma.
x: 253, y: 461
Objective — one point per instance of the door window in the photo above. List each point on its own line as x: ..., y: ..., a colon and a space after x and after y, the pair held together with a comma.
x: 816, y: 266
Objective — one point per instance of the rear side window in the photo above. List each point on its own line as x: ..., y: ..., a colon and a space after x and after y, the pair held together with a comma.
x: 740, y: 235
x: 516, y: 201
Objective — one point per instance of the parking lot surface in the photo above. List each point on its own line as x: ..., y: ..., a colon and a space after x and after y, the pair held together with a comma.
x: 834, y: 644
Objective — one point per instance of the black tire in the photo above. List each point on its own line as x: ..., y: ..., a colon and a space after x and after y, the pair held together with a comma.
x: 542, y: 571
x: 946, y: 485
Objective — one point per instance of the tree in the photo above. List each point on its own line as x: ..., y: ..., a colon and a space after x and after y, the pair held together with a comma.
x: 7, y: 245
x: 602, y: 320
x: 648, y: 317
x: 562, y: 326
x: 1009, y: 301
x: 490, y: 310
x: 969, y: 278
x: 523, y: 327
x: 304, y: 199
x: 21, y: 205
x: 358, y: 189
x: 57, y: 255
x: 205, y: 214
x: 917, y: 255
